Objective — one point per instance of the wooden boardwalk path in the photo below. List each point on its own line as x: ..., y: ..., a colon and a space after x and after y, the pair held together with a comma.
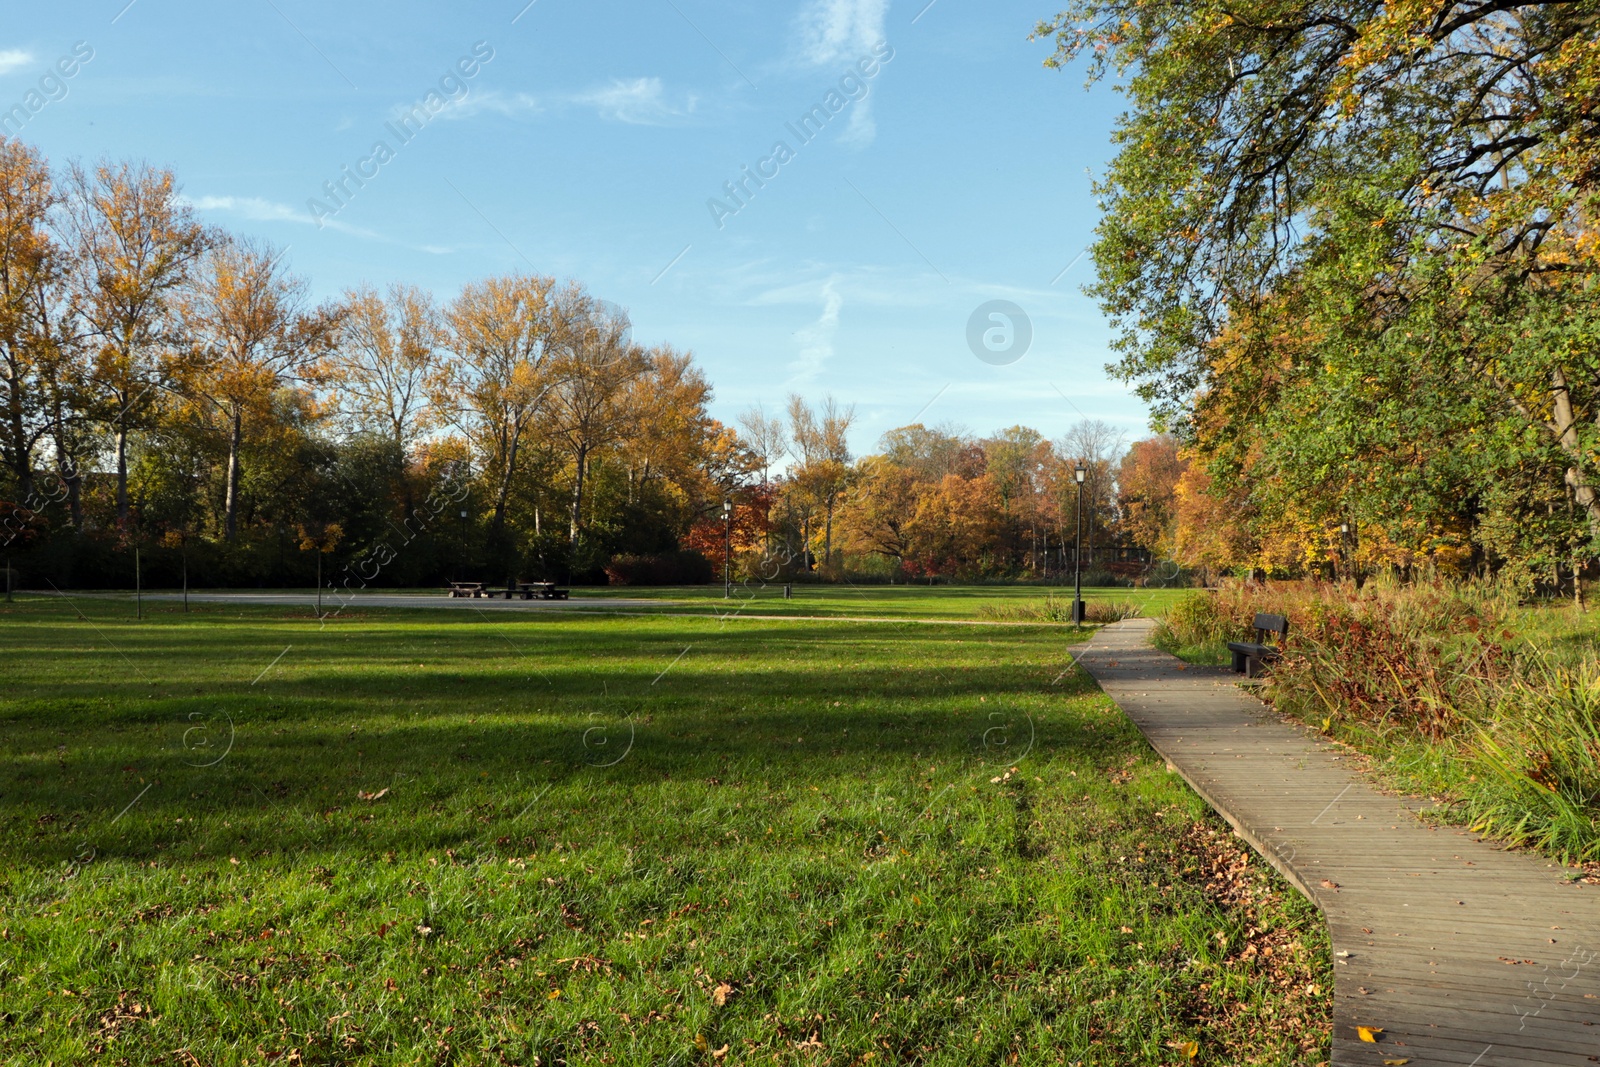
x: 1461, y: 952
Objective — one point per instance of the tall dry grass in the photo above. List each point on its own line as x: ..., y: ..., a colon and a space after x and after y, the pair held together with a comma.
x: 1055, y: 608
x: 1457, y: 679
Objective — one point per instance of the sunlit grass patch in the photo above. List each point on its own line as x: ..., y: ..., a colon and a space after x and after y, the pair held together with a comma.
x: 438, y: 837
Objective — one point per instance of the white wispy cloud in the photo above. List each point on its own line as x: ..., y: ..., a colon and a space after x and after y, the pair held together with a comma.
x: 488, y: 102
x: 258, y: 210
x: 251, y: 207
x: 637, y: 101
x: 816, y: 340
x: 834, y: 34
x: 12, y: 58
x: 255, y: 209
x: 833, y: 31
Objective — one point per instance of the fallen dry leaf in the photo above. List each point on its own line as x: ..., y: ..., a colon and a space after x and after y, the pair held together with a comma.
x: 1369, y: 1033
x: 1395, y: 1063
x: 719, y: 995
x: 1187, y: 1049
x: 1329, y: 883
x: 379, y: 795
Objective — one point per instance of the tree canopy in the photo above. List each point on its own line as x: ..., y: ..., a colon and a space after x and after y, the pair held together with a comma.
x: 1350, y: 251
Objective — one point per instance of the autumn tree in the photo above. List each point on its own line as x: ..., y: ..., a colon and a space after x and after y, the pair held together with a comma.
x: 766, y: 436
x: 30, y: 267
x: 1096, y: 446
x: 388, y: 349
x: 955, y: 526
x: 135, y: 242
x: 1147, y: 481
x: 933, y: 452
x: 1380, y: 219
x: 495, y: 386
x: 596, y: 362
x: 249, y: 330
x: 819, y: 442
x: 664, y: 453
x: 767, y: 439
x: 882, y: 511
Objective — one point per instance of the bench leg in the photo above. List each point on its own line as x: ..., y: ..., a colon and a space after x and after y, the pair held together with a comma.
x: 1252, y: 667
x: 1240, y: 664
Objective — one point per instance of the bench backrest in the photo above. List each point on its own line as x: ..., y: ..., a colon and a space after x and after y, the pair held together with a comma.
x: 1272, y: 624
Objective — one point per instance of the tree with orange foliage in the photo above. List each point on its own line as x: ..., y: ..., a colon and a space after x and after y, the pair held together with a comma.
x: 1147, y: 483
x: 30, y: 263
x: 955, y: 525
x: 1209, y: 531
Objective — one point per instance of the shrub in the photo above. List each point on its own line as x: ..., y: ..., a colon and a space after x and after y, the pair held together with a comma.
x: 1054, y: 608
x: 1104, y: 611
x: 664, y: 568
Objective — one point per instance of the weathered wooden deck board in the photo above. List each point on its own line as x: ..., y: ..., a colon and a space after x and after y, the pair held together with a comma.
x: 1435, y: 924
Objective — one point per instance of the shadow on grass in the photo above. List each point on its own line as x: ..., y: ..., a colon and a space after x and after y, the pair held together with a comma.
x: 541, y: 729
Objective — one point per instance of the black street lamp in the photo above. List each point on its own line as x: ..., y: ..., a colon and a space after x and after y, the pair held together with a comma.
x: 727, y: 548
x: 1077, y: 554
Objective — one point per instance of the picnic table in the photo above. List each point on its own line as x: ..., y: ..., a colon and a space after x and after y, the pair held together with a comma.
x: 530, y: 590
x: 511, y: 590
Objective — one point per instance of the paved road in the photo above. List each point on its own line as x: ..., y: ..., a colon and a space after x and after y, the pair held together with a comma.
x: 332, y: 602
x: 736, y: 608
x: 1461, y: 952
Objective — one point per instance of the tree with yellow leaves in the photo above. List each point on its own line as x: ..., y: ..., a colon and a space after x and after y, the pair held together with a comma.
x: 250, y: 331
x: 135, y: 242
x: 501, y: 337
x: 387, y: 350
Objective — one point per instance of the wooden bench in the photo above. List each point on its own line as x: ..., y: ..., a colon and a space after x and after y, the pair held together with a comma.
x: 1248, y: 656
x: 467, y: 589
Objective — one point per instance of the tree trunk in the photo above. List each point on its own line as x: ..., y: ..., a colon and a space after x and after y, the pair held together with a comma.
x: 21, y: 460
x: 122, y: 475
x: 504, y: 492
x: 74, y: 482
x: 580, y: 463
x: 230, y: 507
x: 827, y: 538
x: 1566, y: 428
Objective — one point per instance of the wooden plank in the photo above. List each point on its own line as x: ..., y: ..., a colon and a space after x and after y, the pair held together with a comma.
x: 1442, y: 906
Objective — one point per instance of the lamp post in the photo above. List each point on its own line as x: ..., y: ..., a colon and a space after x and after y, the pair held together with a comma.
x: 1078, y: 474
x: 727, y: 548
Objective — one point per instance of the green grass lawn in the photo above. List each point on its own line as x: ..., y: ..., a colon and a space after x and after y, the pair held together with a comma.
x: 421, y: 837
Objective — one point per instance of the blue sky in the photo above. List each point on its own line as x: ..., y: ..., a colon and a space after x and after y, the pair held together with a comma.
x: 590, y: 144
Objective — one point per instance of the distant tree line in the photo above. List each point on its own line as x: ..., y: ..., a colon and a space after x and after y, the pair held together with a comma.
x: 940, y: 502
x: 171, y: 392
x: 169, y: 386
